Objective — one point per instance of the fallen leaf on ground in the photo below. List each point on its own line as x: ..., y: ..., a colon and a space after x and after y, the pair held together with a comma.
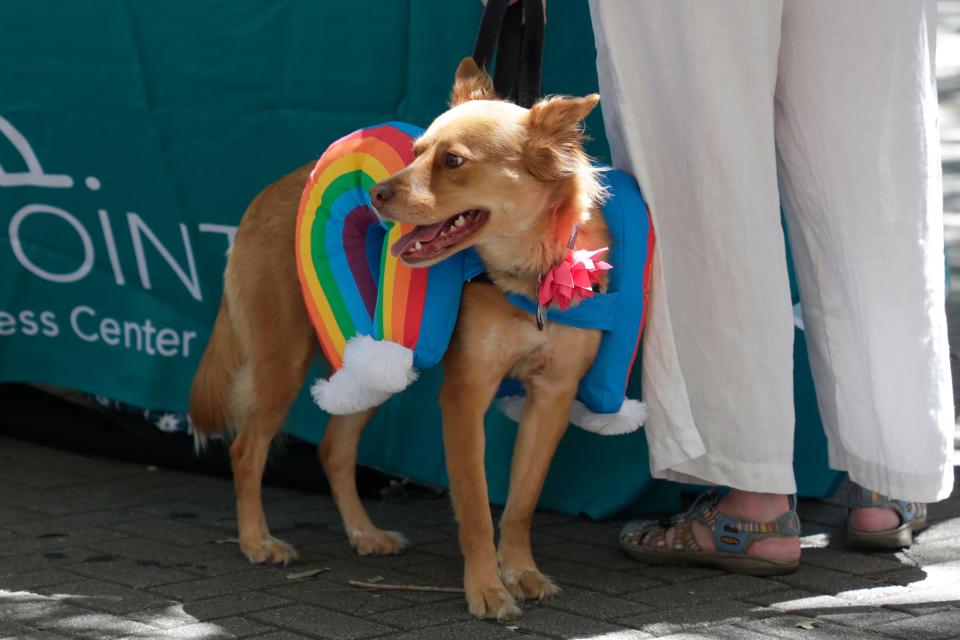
x: 806, y: 624
x: 309, y: 573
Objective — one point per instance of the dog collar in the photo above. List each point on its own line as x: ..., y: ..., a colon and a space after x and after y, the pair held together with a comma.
x: 571, y: 280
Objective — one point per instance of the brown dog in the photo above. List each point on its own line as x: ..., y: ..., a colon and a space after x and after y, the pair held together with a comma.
x: 510, y: 182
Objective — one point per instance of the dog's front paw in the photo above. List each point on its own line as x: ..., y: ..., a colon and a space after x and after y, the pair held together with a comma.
x: 376, y: 542
x: 268, y: 550
x: 490, y: 599
x: 529, y: 585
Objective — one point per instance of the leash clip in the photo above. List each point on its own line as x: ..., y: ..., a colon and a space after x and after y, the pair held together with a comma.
x: 541, y: 312
x: 572, y: 242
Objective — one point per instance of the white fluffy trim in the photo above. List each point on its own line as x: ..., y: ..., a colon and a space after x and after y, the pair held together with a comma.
x: 631, y: 416
x: 372, y: 371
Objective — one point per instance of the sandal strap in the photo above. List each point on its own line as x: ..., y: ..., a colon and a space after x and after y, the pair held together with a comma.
x: 859, y: 497
x: 703, y: 510
x: 653, y: 533
x: 731, y: 535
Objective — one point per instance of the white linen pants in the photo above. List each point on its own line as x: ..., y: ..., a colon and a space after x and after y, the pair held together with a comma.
x: 725, y: 110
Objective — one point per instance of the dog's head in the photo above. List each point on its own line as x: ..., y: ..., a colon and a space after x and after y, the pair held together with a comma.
x: 487, y: 170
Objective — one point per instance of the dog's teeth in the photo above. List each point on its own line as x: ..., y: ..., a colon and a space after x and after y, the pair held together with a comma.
x: 417, y: 246
x: 460, y: 221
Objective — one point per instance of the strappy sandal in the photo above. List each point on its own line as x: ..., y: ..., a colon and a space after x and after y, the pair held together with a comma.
x: 913, y: 519
x: 645, y: 540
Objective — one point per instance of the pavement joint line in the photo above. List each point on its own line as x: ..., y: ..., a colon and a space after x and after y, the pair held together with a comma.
x: 283, y: 627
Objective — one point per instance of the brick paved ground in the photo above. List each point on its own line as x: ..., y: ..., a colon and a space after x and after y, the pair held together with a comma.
x: 91, y: 548
x: 94, y: 548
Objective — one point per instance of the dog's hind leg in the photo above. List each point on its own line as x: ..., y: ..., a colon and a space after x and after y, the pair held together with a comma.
x: 338, y: 455
x: 542, y: 425
x: 263, y: 390
x: 248, y: 456
x: 272, y: 386
x: 275, y: 343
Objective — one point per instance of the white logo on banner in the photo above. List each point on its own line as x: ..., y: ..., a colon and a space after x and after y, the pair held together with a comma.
x: 34, y: 175
x: 141, y: 335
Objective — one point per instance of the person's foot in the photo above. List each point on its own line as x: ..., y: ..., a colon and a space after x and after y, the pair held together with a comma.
x: 878, y: 522
x: 742, y: 532
x: 758, y: 507
x: 873, y: 518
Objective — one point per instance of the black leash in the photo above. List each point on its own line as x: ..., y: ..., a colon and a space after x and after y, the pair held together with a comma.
x: 516, y: 32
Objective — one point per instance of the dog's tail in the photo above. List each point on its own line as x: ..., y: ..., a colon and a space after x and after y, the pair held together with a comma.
x: 211, y: 390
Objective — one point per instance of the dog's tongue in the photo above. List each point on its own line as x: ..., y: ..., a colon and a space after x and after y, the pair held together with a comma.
x: 419, y: 234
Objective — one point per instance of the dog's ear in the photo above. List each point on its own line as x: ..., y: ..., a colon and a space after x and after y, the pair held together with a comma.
x: 471, y: 83
x: 555, y: 127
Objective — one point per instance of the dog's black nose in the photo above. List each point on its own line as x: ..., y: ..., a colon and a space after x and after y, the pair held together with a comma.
x: 380, y: 193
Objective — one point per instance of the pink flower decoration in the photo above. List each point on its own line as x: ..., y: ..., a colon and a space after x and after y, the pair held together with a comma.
x: 573, y: 279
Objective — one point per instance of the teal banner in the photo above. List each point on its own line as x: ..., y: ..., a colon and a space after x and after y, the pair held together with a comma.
x: 133, y: 134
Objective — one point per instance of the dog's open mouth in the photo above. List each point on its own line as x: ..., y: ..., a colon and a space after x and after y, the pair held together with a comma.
x: 428, y: 241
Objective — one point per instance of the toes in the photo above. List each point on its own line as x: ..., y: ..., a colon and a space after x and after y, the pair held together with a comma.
x: 514, y: 587
x: 537, y: 586
x: 511, y: 580
x: 374, y: 542
x: 530, y: 585
x: 493, y: 602
x: 476, y: 607
x: 282, y: 553
x: 269, y: 550
x: 395, y: 542
x: 508, y: 611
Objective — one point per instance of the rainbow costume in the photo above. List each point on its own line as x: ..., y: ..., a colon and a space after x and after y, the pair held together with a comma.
x: 380, y: 321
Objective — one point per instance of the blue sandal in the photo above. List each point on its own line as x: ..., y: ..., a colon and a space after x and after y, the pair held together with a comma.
x: 913, y: 519
x: 645, y: 540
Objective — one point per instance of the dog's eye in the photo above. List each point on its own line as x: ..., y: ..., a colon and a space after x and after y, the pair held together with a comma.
x: 453, y: 160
